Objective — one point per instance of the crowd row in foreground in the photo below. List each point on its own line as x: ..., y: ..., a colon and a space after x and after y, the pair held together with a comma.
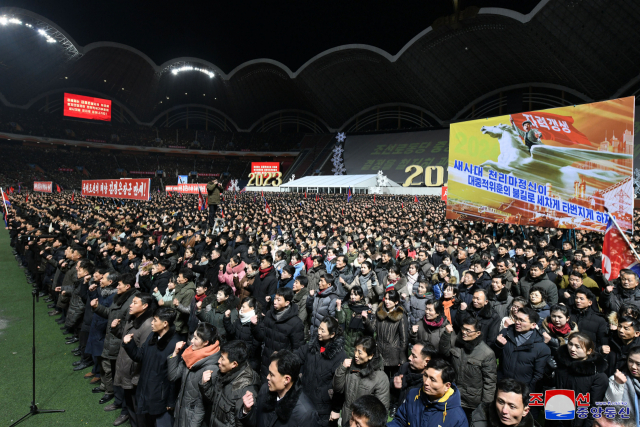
x: 365, y: 313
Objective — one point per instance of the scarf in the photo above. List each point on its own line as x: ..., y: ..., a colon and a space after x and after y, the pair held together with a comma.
x: 279, y: 314
x: 391, y: 285
x: 356, y: 323
x: 447, y: 304
x: 434, y: 323
x: 264, y: 272
x: 468, y: 346
x: 246, y: 317
x: 522, y: 338
x: 539, y: 306
x: 363, y: 283
x: 191, y: 356
x: 562, y: 331
x: 200, y: 297
x: 411, y: 279
x: 250, y: 275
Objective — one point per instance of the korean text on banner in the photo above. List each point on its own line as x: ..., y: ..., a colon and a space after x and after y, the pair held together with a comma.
x: 562, y: 168
x: 133, y: 189
x: 42, y: 186
x: 86, y: 107
x: 265, y: 167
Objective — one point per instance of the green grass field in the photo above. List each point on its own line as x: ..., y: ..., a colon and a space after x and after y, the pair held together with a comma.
x: 57, y: 386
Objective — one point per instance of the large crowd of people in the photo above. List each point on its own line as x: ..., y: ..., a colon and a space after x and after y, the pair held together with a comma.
x: 54, y: 125
x: 302, y: 312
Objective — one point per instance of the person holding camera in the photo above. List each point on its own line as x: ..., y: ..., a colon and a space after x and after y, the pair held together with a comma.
x: 214, y: 189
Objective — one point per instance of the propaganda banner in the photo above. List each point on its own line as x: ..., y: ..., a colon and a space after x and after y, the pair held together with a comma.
x: 133, y: 189
x: 260, y: 167
x: 563, y: 167
x: 192, y: 188
x: 43, y: 186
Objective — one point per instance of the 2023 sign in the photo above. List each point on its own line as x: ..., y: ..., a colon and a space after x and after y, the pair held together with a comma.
x: 428, y: 176
x: 262, y: 179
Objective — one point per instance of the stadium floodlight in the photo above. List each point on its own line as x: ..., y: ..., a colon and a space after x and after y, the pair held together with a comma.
x: 4, y: 20
x: 175, y: 71
x: 46, y: 36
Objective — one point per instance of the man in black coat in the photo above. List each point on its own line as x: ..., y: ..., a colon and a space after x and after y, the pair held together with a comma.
x: 159, y: 277
x: 588, y: 321
x: 537, y: 278
x: 281, y: 328
x: 281, y: 400
x: 626, y: 292
x: 484, y: 279
x: 627, y: 336
x: 265, y: 284
x: 482, y: 310
x: 210, y: 270
x: 410, y: 373
x: 155, y: 393
x: 522, y: 350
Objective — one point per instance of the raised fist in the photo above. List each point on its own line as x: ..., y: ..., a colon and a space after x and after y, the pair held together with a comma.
x: 546, y: 337
x: 338, y: 304
x: 206, y: 376
x: 199, y: 305
x: 620, y: 377
x: 127, y: 338
x: 502, y: 340
x: 248, y: 401
x: 346, y: 363
x: 179, y: 346
x: 606, y: 349
x: 414, y: 329
x: 463, y: 306
x: 447, y: 328
x: 397, y: 381
x: 94, y: 302
x: 254, y: 320
x: 115, y: 323
x: 227, y: 313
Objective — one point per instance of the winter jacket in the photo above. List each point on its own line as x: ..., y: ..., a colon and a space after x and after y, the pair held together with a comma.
x: 301, y: 270
x: 524, y: 363
x: 242, y: 288
x: 391, y: 330
x: 226, y: 276
x: 98, y: 329
x: 148, y: 283
x: 592, y: 324
x: 415, y: 306
x: 293, y: 410
x: 625, y: 393
x: 618, y: 354
x: 410, y: 379
x: 210, y: 272
x: 213, y: 194
x: 155, y: 392
x: 374, y: 290
x: 507, y: 278
x: 215, y: 316
x: 127, y: 371
x: 167, y: 298
x: 430, y: 334
x: 224, y: 394
x: 347, y: 274
x: 612, y: 301
x: 313, y: 276
x: 77, y: 298
x: 501, y: 302
x: 351, y: 335
x: 263, y: 287
x: 557, y: 340
x: 184, y: 295
x: 357, y: 381
x: 318, y: 369
x: 484, y: 281
x: 286, y: 333
x: 527, y: 283
x: 119, y: 309
x: 485, y: 415
x: 300, y: 299
x: 418, y: 411
x: 582, y: 376
x: 321, y: 305
x: 563, y: 283
x: 488, y: 318
x: 476, y: 369
x: 190, y: 408
x: 237, y: 331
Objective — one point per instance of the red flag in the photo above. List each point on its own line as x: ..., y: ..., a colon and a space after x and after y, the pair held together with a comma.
x: 221, y: 212
x: 73, y: 196
x: 11, y: 190
x: 616, y: 253
x: 553, y: 127
x: 305, y: 194
x: 402, y: 205
x: 27, y: 199
x: 415, y: 199
x: 444, y: 194
x: 58, y: 188
x: 267, y: 209
x: 316, y: 197
x: 343, y: 211
x: 374, y: 198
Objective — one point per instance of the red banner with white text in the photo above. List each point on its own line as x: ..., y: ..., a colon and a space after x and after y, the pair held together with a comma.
x: 42, y: 186
x: 134, y: 189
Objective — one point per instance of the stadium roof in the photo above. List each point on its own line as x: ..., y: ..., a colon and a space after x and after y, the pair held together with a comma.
x: 589, y: 50
x: 336, y: 181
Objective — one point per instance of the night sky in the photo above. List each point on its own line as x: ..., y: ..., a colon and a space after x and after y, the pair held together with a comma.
x: 232, y: 32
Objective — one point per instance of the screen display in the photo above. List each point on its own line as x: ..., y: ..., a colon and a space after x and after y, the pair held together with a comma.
x: 86, y: 107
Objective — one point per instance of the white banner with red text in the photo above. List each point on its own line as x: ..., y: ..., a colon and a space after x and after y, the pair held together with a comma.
x: 43, y: 186
x: 187, y: 188
x: 134, y: 189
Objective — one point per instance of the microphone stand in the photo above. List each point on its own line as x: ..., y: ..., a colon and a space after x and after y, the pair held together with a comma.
x: 34, y: 409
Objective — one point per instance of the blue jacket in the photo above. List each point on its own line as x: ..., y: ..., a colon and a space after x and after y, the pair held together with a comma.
x: 418, y: 411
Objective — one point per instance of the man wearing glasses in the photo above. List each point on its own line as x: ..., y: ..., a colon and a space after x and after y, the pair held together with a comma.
x: 474, y: 363
x: 521, y: 349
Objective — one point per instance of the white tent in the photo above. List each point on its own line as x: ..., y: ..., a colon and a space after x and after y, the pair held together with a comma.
x: 333, y: 184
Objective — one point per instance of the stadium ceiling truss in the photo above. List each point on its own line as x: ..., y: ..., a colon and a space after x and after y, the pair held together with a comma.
x: 559, y: 53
